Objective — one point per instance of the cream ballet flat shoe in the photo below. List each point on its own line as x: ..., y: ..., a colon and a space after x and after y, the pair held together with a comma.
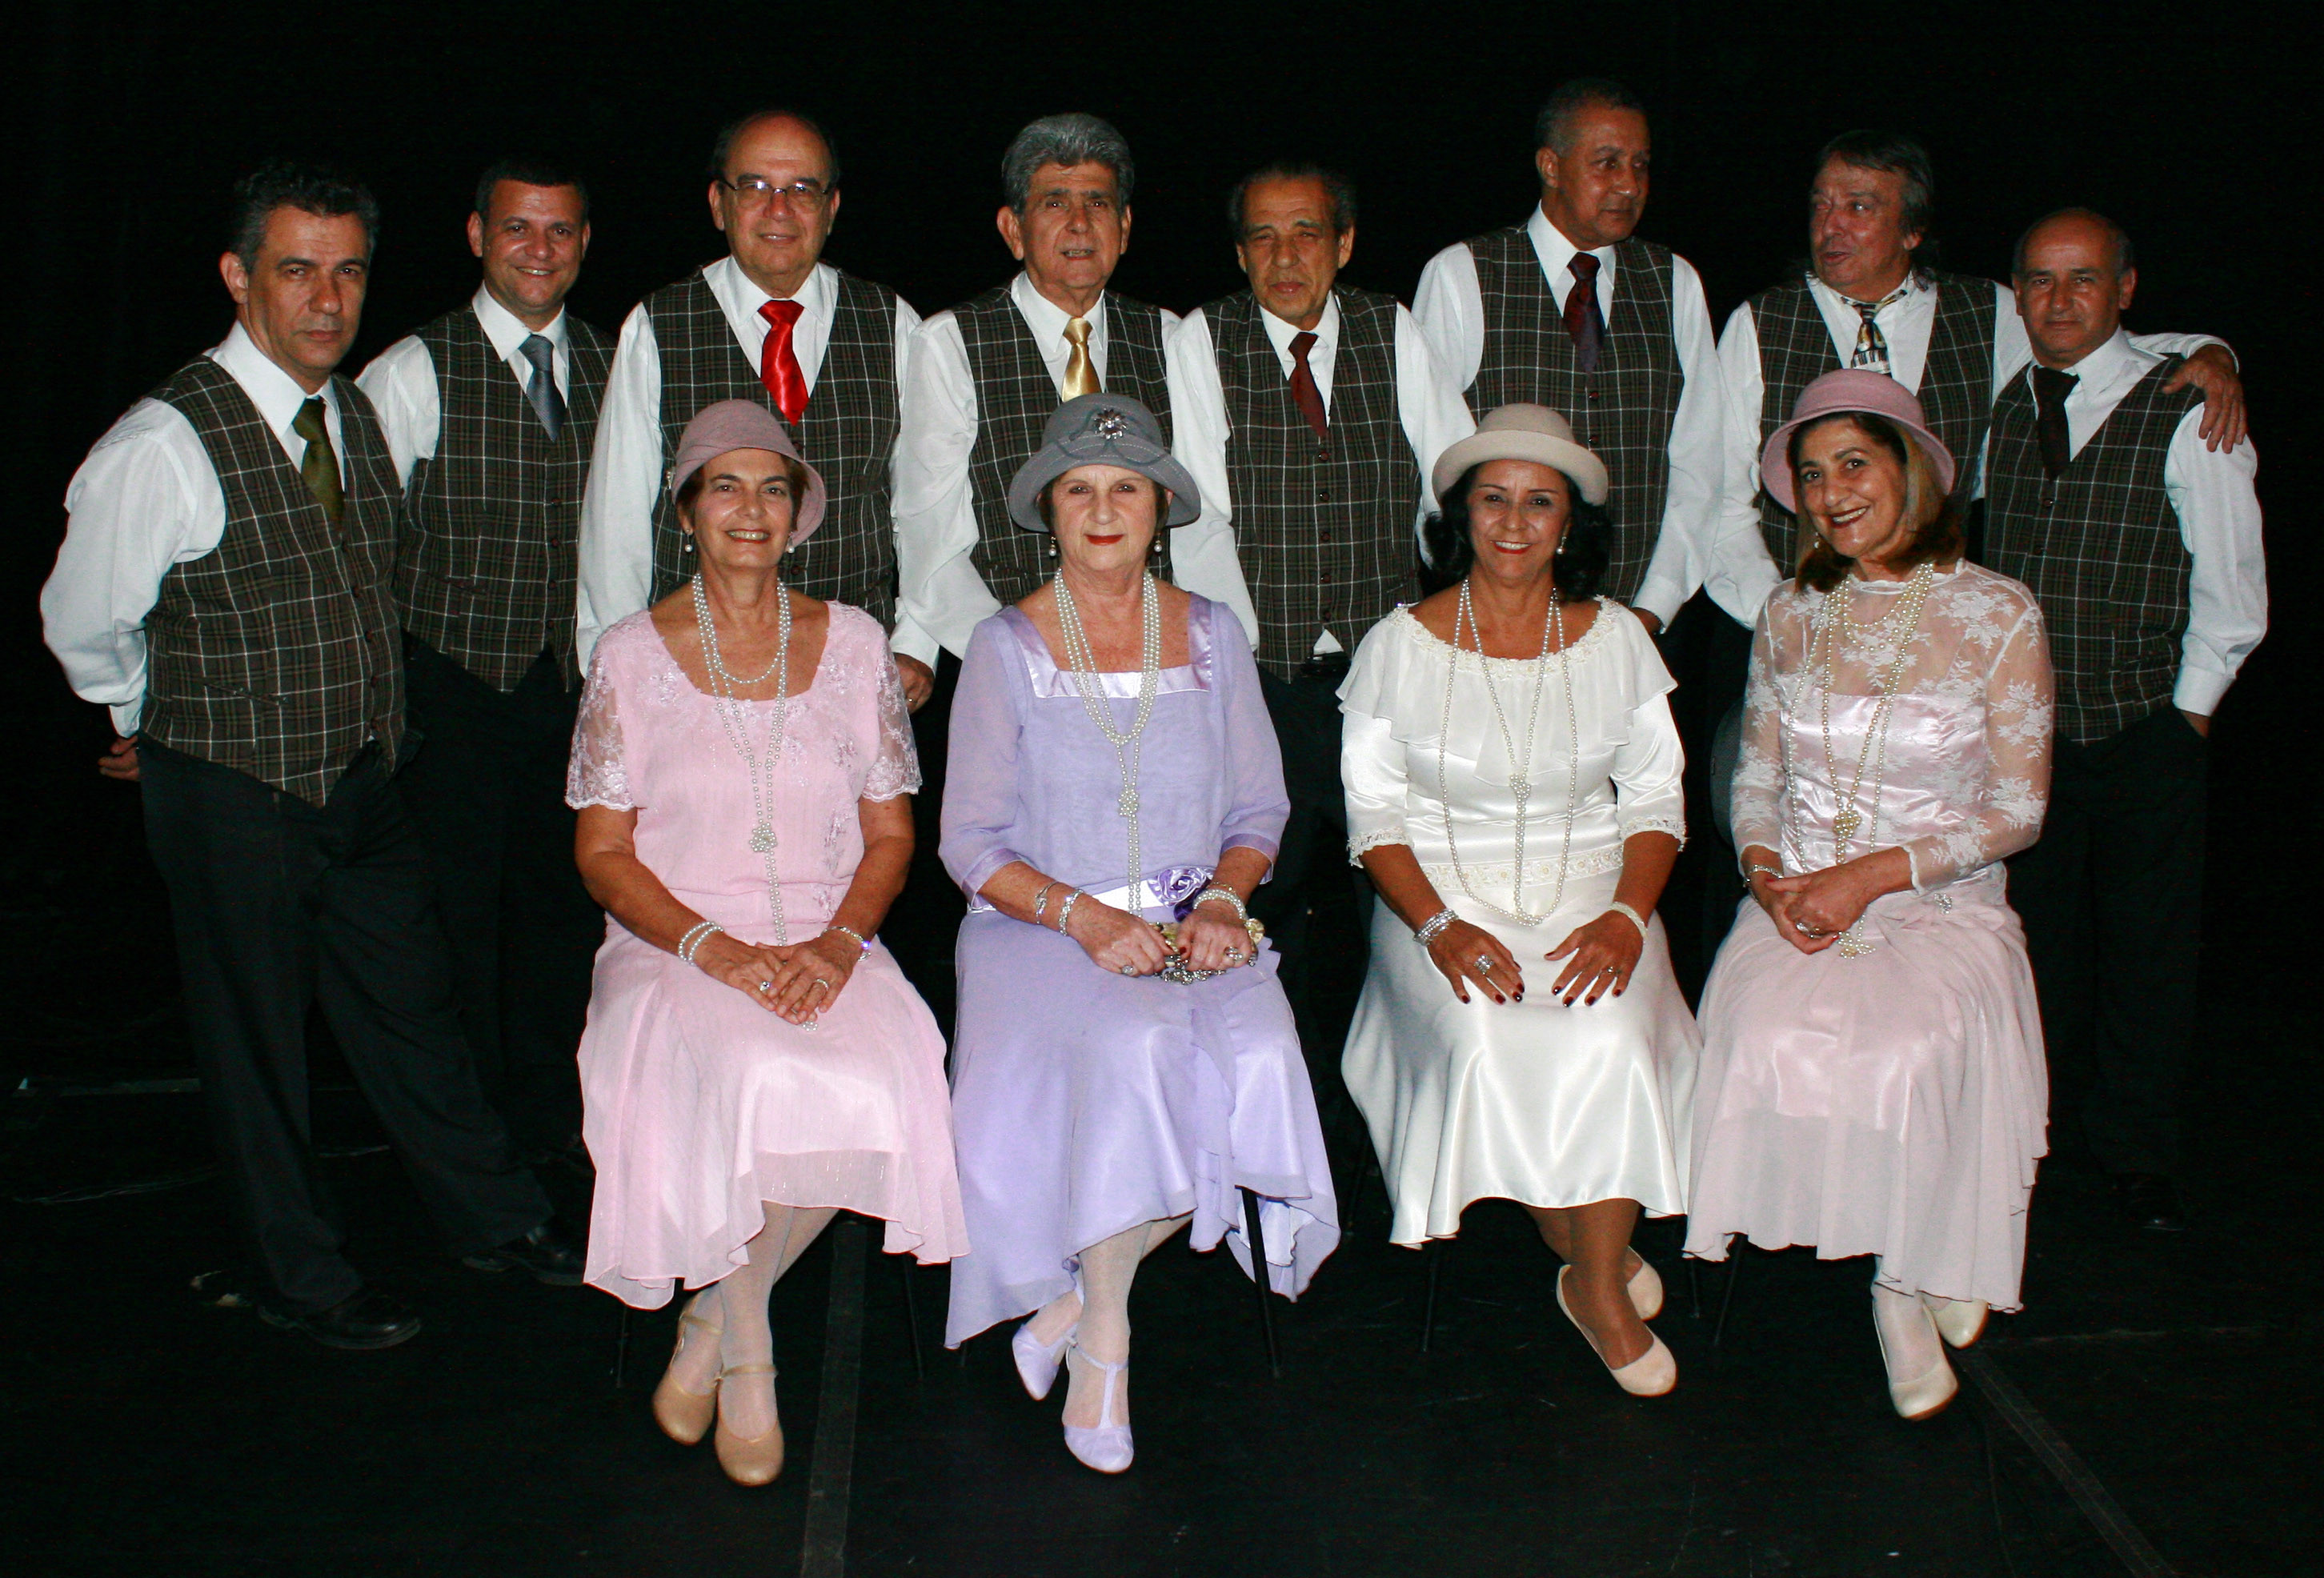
x: 1646, y: 1289
x: 748, y: 1461
x: 1104, y: 1446
x: 1960, y: 1321
x: 1918, y: 1396
x: 685, y: 1417
x: 1649, y: 1375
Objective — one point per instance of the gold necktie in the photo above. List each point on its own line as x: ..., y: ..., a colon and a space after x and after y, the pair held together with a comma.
x: 1081, y: 378
x: 318, y: 468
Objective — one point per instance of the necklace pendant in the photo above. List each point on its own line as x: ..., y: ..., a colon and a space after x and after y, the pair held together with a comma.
x: 1127, y: 804
x: 1846, y: 823
x: 762, y: 839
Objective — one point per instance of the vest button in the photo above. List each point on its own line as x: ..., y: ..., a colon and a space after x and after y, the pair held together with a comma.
x: 1322, y: 495
x: 1322, y: 537
x: 1326, y: 578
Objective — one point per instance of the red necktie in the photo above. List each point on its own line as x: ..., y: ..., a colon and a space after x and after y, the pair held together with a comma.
x: 778, y: 367
x: 1303, y: 393
x: 1583, y: 321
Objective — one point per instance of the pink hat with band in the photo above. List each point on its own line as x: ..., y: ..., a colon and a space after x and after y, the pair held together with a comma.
x: 729, y: 425
x: 1839, y: 394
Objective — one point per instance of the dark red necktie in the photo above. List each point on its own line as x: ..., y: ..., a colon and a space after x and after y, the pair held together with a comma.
x: 2052, y: 388
x: 778, y: 367
x: 1583, y: 321
x: 1303, y: 393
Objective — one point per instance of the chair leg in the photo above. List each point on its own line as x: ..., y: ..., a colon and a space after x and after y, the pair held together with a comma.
x: 1694, y: 1285
x: 1259, y: 1266
x: 621, y: 1350
x: 1735, y: 1252
x: 912, y: 1316
x: 1436, y: 1251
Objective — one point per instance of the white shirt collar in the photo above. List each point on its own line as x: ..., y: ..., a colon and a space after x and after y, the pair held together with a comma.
x: 1556, y: 252
x: 507, y: 331
x: 1046, y: 318
x: 813, y: 296
x: 2116, y: 364
x: 1279, y: 330
x: 1915, y: 287
x: 275, y: 393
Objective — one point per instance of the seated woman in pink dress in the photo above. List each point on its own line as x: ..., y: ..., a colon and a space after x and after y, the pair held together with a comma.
x: 1872, y: 1078
x: 753, y: 1062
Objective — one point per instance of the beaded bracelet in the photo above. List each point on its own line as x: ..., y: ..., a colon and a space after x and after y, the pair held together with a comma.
x: 1228, y: 894
x: 1635, y: 918
x: 850, y: 932
x: 1426, y: 931
x: 1752, y: 871
x: 700, y: 932
x: 1066, y: 910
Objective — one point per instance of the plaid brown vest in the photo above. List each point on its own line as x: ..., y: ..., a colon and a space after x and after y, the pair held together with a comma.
x: 485, y: 576
x: 1323, y: 529
x: 1956, y: 390
x: 1014, y: 396
x: 1623, y: 411
x: 2101, y: 548
x: 848, y: 433
x: 277, y: 654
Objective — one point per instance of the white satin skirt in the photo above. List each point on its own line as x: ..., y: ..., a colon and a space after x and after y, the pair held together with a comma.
x: 1535, y: 1102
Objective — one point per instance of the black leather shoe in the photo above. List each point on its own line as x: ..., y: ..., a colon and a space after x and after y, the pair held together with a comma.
x: 361, y: 1320
x: 547, y: 1253
x: 2150, y: 1201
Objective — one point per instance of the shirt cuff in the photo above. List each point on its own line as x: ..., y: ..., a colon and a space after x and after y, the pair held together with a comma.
x: 910, y: 641
x: 126, y: 713
x: 2199, y: 691
x: 1662, y: 599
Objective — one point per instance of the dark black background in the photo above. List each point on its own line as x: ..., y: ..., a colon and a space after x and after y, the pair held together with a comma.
x: 2191, y: 124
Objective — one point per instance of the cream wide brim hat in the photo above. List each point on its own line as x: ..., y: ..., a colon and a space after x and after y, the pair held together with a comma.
x: 1523, y: 431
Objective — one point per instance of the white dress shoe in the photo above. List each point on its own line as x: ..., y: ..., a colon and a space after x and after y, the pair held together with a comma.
x: 1646, y: 1289
x: 1909, y: 1344
x: 1038, y: 1361
x: 1649, y: 1375
x: 1960, y: 1321
x: 1104, y: 1446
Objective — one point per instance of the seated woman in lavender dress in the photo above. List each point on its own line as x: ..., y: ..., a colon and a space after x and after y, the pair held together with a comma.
x: 1112, y: 766
x: 752, y: 1063
x: 1872, y: 1072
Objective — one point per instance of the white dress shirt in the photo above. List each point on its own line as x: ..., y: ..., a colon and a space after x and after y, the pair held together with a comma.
x: 402, y: 379
x: 1451, y: 310
x: 625, y: 470
x: 146, y: 499
x: 1428, y: 404
x: 1735, y: 569
x: 2212, y: 491
x: 943, y: 597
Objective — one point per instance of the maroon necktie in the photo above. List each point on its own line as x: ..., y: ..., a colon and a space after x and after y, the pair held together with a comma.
x: 1583, y: 321
x: 778, y: 367
x: 1303, y: 393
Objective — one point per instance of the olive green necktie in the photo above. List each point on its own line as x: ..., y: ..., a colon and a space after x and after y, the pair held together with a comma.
x: 320, y: 467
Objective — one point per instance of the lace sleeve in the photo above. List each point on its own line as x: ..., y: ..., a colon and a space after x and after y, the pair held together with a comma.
x: 595, y: 775
x: 2015, y: 794
x: 1756, y: 806
x: 896, y: 771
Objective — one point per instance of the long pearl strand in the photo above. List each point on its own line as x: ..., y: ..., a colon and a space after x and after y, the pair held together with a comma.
x: 735, y: 717
x: 1081, y: 661
x: 1553, y: 641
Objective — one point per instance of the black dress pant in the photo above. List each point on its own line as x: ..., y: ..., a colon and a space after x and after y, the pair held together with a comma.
x: 925, y: 920
x: 2112, y: 901
x: 485, y: 782
x: 1316, y: 907
x: 280, y: 906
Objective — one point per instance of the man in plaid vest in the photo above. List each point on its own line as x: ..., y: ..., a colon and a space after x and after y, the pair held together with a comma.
x: 1571, y: 310
x: 1866, y: 301
x: 489, y: 413
x: 770, y: 322
x: 1309, y: 412
x: 2143, y: 544
x: 225, y: 587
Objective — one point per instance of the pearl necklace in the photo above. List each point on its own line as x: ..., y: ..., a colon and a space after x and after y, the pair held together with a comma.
x: 733, y: 715
x: 1081, y: 661
x: 1520, y: 766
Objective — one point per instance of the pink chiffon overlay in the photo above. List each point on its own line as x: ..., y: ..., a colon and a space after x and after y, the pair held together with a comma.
x: 699, y: 1103
x: 1892, y: 1101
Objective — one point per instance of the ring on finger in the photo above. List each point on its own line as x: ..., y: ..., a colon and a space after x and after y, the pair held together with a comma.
x: 766, y: 986
x: 1484, y: 964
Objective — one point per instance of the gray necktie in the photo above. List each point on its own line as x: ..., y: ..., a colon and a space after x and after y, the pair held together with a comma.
x: 542, y: 388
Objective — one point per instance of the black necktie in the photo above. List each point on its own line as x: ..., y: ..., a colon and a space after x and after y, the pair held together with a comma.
x: 2050, y: 388
x: 1583, y: 321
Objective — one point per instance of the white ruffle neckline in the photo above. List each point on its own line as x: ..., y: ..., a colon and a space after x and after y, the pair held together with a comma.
x: 1591, y: 639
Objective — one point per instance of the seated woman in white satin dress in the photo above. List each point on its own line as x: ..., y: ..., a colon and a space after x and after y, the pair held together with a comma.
x: 1512, y: 778
x: 1873, y: 1079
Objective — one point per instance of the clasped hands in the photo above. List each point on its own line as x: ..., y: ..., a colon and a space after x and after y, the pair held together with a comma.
x: 797, y: 981
x: 1600, y: 955
x: 1814, y: 910
x: 1212, y: 937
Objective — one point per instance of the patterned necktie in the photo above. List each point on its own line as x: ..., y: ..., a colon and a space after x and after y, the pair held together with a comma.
x: 1583, y: 320
x: 541, y: 388
x: 1303, y: 393
x: 2051, y: 390
x: 1081, y: 377
x: 1871, y: 344
x: 318, y: 468
x: 778, y: 367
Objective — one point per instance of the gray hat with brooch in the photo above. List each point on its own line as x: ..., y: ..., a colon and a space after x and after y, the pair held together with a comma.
x: 1101, y: 429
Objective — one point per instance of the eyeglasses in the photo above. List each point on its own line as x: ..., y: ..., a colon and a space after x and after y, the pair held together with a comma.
x: 751, y: 189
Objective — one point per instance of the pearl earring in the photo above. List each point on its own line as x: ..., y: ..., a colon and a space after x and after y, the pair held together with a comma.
x: 685, y: 542
x: 1053, y: 548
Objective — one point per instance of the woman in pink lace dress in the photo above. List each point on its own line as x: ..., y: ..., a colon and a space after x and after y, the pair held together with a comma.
x: 753, y: 1063
x: 1872, y: 1078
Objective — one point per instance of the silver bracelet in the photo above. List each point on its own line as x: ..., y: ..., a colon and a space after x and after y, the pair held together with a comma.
x: 1066, y: 910
x: 1241, y: 911
x: 1635, y: 918
x: 1425, y: 932
x: 700, y: 932
x: 850, y: 932
x: 1041, y: 901
x: 1754, y: 869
